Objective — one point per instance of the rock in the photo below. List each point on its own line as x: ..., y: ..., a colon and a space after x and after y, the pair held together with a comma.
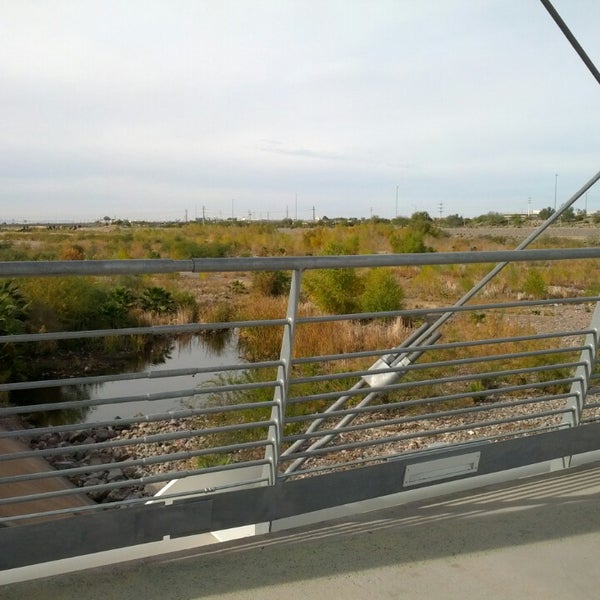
x: 76, y: 437
x: 94, y: 459
x: 117, y: 495
x: 134, y: 472
x: 92, y: 481
x: 98, y: 495
x: 103, y: 434
x: 115, y: 475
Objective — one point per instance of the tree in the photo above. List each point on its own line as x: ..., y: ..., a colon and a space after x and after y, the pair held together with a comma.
x: 454, y: 221
x: 421, y: 216
x: 568, y: 215
x: 422, y: 222
x: 492, y: 219
x: 546, y: 213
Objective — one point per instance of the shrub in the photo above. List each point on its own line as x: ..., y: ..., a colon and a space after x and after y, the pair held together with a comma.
x: 381, y: 292
x: 157, y: 300
x: 410, y: 240
x: 67, y: 303
x: 74, y: 252
x: 118, y: 305
x: 534, y: 284
x: 335, y: 291
x: 271, y: 283
x: 13, y: 316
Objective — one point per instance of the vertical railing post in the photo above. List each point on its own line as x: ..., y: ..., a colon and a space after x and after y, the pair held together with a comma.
x: 273, y: 451
x: 579, y: 387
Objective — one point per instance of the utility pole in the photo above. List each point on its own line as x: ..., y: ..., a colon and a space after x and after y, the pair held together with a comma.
x: 203, y: 214
x: 441, y: 207
x: 314, y: 214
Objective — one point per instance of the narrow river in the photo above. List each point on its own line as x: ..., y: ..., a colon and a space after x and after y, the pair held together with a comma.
x: 194, y: 352
x: 189, y: 354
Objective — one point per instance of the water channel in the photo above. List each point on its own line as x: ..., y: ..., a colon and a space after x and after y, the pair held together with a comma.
x: 191, y: 352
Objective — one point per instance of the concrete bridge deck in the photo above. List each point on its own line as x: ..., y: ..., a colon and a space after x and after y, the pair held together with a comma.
x: 533, y: 538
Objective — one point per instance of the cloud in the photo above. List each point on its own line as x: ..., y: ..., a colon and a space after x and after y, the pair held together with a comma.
x: 151, y: 105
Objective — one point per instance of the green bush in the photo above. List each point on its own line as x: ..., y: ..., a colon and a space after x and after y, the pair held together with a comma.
x: 118, y: 306
x: 534, y: 284
x: 409, y: 240
x: 13, y: 316
x: 157, y: 300
x: 381, y: 292
x: 66, y: 303
x: 335, y: 291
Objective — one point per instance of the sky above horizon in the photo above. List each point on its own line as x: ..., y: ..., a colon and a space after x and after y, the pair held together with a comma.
x: 149, y: 110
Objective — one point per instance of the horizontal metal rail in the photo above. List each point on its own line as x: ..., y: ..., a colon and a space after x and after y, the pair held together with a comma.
x: 284, y: 263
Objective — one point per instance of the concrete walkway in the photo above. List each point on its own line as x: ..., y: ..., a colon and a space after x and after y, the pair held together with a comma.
x: 535, y: 538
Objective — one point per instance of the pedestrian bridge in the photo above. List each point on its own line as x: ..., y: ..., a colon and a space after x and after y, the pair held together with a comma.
x: 269, y: 445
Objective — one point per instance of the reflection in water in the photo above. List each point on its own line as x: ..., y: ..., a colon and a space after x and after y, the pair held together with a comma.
x: 53, y: 394
x: 186, y: 352
x: 217, y: 339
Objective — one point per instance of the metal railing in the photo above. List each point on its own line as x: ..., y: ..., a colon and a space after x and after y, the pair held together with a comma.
x: 295, y: 432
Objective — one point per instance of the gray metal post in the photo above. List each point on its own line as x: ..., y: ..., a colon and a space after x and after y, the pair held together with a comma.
x: 579, y: 388
x: 273, y: 450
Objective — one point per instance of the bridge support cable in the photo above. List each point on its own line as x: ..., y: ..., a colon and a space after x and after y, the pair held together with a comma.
x: 572, y: 39
x: 389, y: 371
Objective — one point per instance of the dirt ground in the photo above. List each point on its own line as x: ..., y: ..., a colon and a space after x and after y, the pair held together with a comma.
x: 587, y: 233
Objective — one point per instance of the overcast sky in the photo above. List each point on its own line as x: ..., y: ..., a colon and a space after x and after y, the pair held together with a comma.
x: 267, y: 108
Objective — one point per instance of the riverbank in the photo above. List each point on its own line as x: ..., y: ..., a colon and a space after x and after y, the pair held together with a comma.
x: 124, y: 456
